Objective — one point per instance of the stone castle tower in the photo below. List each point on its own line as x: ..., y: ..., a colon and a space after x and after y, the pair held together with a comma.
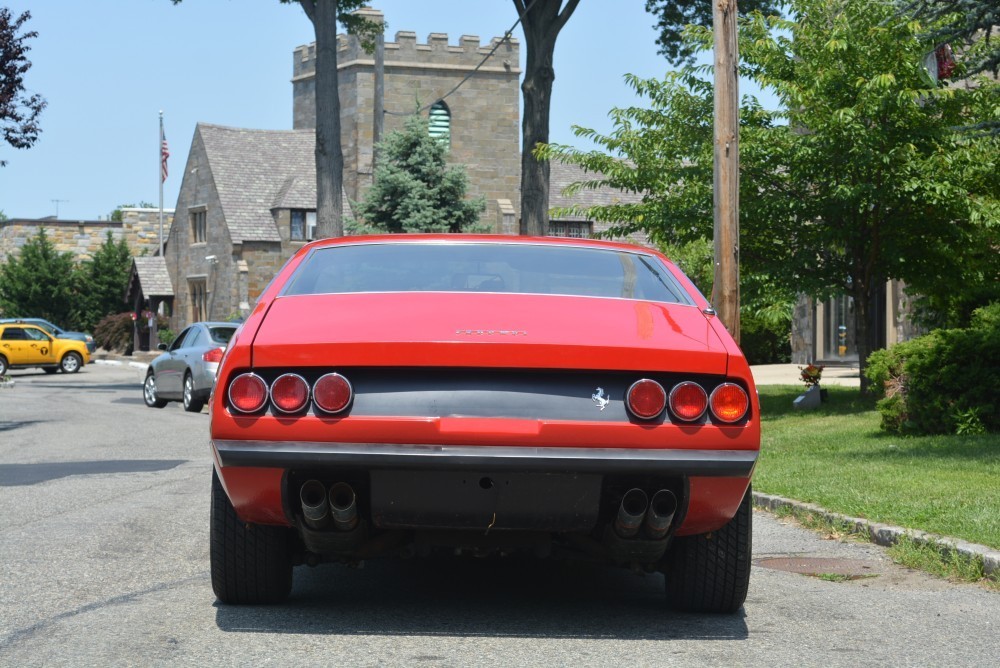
x: 481, y: 119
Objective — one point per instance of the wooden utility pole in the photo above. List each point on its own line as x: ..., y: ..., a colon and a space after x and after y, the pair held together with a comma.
x: 726, y: 288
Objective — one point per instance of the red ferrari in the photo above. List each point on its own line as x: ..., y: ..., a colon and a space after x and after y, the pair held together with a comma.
x: 405, y: 395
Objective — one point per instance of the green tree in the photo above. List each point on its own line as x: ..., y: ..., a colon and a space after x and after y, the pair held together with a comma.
x: 673, y: 15
x: 104, y: 281
x: 542, y: 20
x: 965, y: 23
x: 325, y: 15
x: 860, y: 178
x: 19, y: 111
x: 39, y: 282
x: 414, y: 189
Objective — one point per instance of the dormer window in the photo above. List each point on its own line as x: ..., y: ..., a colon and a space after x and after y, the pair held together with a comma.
x: 302, y: 225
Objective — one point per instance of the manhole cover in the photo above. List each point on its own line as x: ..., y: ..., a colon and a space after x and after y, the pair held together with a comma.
x: 817, y: 566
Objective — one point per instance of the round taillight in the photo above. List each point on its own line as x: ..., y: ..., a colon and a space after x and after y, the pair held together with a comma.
x: 248, y: 393
x: 688, y: 401
x: 729, y: 402
x: 289, y: 393
x: 646, y: 399
x: 332, y: 393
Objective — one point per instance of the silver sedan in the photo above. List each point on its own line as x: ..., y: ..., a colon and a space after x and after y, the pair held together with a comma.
x: 186, y: 370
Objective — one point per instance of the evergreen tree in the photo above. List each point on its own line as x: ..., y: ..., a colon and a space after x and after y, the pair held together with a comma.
x: 39, y: 283
x: 414, y: 189
x: 104, y: 281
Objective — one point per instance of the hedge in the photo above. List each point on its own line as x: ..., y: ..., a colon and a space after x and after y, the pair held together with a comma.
x: 944, y: 382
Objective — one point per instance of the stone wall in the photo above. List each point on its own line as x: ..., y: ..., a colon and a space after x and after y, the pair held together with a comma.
x: 82, y: 238
x: 485, y: 110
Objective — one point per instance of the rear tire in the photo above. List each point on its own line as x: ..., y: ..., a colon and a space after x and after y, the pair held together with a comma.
x: 251, y: 563
x: 71, y: 362
x: 3, y: 365
x: 711, y: 572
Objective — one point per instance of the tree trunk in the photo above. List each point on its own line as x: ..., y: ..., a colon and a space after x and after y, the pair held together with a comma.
x: 329, y: 154
x: 864, y: 325
x: 541, y: 27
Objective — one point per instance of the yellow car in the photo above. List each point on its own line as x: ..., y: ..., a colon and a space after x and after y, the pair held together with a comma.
x: 25, y: 346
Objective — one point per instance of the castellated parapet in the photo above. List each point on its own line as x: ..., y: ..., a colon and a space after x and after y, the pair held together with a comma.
x: 485, y: 110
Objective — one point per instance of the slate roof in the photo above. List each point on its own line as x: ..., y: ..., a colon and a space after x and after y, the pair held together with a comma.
x: 256, y: 171
x: 153, y: 277
x: 562, y: 175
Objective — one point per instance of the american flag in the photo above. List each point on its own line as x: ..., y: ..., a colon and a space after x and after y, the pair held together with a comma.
x: 164, y: 154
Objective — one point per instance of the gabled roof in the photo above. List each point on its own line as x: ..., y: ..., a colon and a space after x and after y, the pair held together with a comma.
x: 250, y: 167
x: 562, y: 175
x: 256, y: 171
x: 150, y: 276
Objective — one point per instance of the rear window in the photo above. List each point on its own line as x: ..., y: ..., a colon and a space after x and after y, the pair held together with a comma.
x: 480, y: 267
x: 221, y: 334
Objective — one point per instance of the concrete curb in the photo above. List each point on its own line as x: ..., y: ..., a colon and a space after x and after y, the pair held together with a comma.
x: 885, y: 534
x: 135, y: 365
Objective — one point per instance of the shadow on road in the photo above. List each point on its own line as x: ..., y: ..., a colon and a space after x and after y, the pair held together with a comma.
x: 487, y: 598
x: 12, y: 475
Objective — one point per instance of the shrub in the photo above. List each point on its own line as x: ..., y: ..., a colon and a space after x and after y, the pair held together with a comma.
x: 944, y: 382
x: 167, y: 336
x: 114, y: 333
x: 765, y: 342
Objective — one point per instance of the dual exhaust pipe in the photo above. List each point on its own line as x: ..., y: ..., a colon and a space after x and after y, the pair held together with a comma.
x: 637, y: 509
x: 321, y: 509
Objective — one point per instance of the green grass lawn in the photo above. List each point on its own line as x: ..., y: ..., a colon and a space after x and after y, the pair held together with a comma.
x: 837, y: 457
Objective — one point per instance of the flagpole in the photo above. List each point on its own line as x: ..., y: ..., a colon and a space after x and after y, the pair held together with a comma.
x: 159, y: 172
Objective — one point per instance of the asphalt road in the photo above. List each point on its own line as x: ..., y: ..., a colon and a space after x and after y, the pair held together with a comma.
x: 104, y: 561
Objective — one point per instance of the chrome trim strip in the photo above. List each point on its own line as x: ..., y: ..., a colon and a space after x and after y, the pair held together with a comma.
x: 298, y: 454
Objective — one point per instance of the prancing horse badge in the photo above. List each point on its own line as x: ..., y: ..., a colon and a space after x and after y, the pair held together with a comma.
x: 599, y: 398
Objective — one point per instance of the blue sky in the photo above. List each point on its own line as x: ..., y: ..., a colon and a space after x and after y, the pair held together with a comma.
x: 107, y: 67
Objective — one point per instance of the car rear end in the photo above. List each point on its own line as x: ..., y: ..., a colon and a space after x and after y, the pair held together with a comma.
x: 520, y: 400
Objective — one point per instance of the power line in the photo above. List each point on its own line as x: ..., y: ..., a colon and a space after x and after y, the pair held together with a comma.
x: 506, y: 38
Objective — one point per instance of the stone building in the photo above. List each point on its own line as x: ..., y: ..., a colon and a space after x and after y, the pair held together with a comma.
x: 247, y: 200
x: 823, y: 331
x: 246, y: 203
x: 480, y: 119
x: 139, y: 228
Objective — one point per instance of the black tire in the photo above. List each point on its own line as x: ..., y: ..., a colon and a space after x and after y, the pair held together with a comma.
x: 3, y: 366
x: 191, y: 405
x: 251, y: 563
x: 149, y: 394
x: 711, y: 572
x: 70, y: 362
x: 49, y: 369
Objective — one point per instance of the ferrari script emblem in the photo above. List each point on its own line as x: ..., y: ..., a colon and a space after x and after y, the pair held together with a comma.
x: 600, y: 399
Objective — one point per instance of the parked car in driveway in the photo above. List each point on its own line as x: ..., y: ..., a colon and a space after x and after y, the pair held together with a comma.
x: 24, y: 346
x: 186, y: 371
x: 56, y: 331
x: 411, y: 395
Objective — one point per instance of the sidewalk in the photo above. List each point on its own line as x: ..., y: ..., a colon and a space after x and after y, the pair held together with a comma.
x: 788, y: 374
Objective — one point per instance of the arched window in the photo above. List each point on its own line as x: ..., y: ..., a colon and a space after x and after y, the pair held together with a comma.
x: 439, y: 125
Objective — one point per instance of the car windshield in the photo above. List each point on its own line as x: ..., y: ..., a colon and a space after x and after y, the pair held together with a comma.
x: 486, y: 267
x: 221, y: 334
